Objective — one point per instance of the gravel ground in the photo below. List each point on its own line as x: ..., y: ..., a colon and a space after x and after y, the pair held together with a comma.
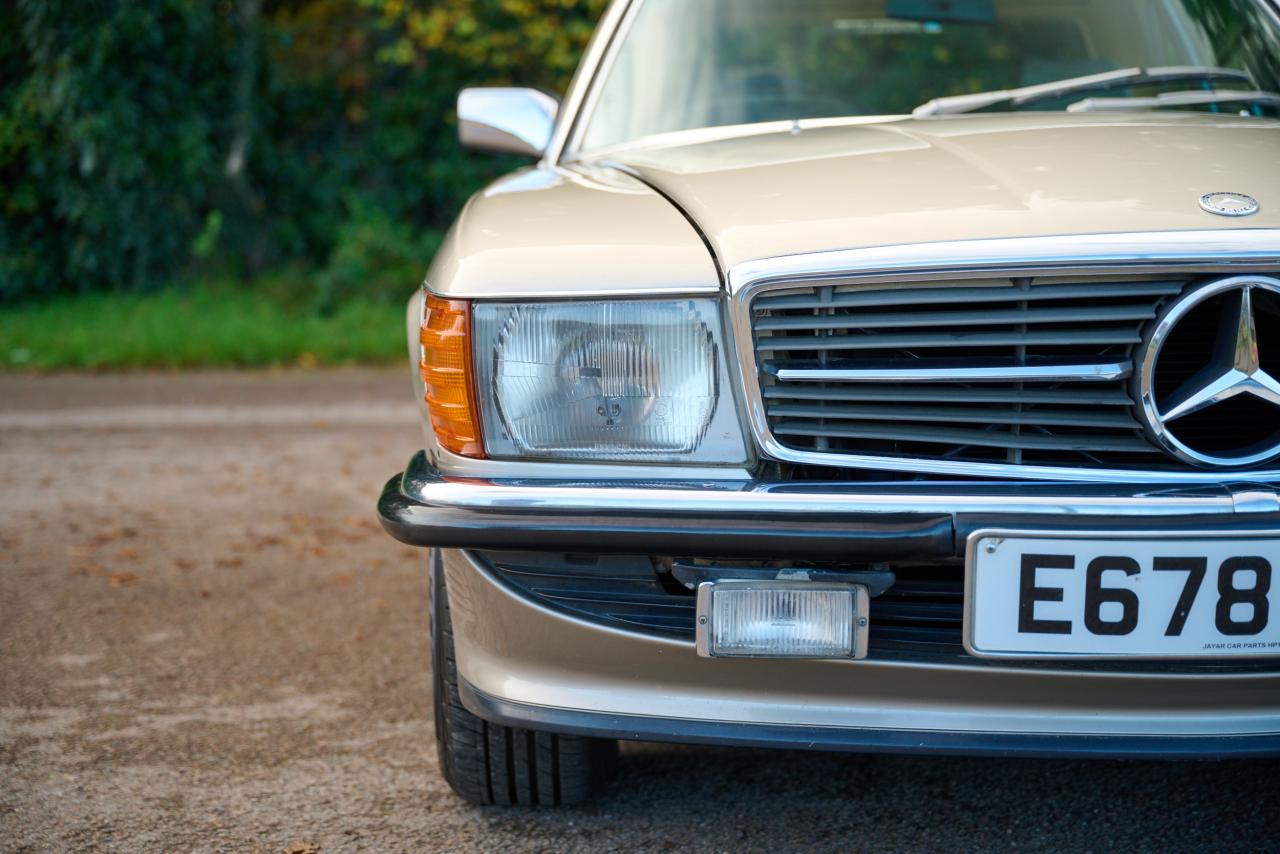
x: 207, y: 644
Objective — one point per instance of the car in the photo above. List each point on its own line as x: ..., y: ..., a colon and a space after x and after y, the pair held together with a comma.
x: 859, y: 375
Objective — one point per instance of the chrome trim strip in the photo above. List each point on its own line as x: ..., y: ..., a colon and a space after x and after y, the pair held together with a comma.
x: 702, y: 632
x: 423, y: 484
x: 1134, y: 252
x: 971, y: 546
x: 1202, y: 251
x: 1254, y: 498
x: 619, y: 18
x: 453, y: 465
x: 583, y: 82
x: 498, y: 496
x: 1029, y: 373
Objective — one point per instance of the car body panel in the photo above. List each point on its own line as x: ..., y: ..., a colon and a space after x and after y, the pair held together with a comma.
x: 557, y: 231
x: 771, y: 191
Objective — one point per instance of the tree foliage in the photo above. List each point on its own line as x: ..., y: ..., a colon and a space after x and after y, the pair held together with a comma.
x: 532, y: 42
x: 107, y: 138
x: 138, y: 139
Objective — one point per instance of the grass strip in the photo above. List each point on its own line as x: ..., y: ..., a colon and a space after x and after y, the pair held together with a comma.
x: 200, y: 326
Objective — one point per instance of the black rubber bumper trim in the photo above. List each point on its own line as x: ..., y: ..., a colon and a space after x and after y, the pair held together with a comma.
x: 685, y: 731
x: 881, y: 538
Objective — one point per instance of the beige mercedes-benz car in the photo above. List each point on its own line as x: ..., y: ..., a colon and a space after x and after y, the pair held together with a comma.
x: 868, y: 375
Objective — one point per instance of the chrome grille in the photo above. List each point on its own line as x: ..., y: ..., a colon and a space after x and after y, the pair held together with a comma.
x: 1020, y: 370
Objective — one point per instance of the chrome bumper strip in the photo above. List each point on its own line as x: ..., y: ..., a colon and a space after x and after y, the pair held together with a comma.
x: 511, y: 523
x: 422, y: 483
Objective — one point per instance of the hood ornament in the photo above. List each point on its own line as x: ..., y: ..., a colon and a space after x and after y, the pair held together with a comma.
x: 1229, y: 204
x: 1232, y: 368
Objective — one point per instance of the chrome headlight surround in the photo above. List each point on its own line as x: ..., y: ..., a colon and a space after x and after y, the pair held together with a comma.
x: 621, y: 381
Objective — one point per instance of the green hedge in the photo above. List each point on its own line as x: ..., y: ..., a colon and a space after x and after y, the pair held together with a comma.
x: 147, y: 140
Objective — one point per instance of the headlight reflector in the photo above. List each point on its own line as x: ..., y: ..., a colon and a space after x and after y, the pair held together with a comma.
x: 607, y: 380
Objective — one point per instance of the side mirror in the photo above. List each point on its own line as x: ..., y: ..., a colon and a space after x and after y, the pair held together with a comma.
x: 506, y: 120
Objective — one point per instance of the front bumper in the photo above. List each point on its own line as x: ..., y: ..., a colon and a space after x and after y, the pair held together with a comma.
x: 530, y: 666
x: 527, y: 664
x: 871, y: 523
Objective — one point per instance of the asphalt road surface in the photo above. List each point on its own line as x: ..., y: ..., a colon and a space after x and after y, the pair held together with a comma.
x: 207, y: 644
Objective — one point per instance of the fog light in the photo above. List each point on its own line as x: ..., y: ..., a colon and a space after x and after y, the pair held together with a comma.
x: 782, y: 619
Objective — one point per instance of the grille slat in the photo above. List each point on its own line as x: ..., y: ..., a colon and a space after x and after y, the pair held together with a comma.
x: 1058, y: 418
x: 959, y: 318
x: 1018, y: 371
x: 954, y: 340
x: 951, y: 436
x: 955, y: 295
x: 1063, y: 397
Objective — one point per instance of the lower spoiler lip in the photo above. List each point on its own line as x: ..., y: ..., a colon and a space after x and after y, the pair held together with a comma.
x: 859, y: 523
x: 862, y: 740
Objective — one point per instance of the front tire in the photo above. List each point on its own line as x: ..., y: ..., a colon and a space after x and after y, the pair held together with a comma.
x: 493, y: 764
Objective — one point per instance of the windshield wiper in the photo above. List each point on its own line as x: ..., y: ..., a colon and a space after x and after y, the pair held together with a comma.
x: 1107, y: 80
x: 1189, y: 98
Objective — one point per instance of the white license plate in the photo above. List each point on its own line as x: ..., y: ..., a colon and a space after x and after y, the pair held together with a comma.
x: 1098, y: 595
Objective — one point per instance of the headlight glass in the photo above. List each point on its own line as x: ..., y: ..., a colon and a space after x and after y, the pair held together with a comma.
x: 620, y: 380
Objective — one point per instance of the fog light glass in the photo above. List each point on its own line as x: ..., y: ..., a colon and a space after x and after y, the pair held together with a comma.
x: 781, y: 620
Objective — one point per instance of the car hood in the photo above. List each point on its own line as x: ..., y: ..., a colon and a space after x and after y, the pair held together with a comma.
x: 782, y: 189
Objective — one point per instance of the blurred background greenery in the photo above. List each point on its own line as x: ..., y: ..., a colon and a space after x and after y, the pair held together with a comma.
x: 188, y: 182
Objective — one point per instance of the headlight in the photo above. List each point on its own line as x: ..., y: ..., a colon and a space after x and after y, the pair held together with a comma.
x: 622, y: 381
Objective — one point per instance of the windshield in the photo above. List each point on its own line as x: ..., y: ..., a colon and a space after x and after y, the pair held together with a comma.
x: 686, y: 64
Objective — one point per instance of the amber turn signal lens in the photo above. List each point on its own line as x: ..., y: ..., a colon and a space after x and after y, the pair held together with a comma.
x: 446, y: 372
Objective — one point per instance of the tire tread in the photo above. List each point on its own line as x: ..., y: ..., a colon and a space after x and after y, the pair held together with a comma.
x: 493, y: 764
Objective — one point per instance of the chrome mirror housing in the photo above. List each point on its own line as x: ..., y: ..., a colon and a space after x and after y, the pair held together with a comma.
x: 506, y: 120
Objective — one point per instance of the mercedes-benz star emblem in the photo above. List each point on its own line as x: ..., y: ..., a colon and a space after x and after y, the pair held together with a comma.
x: 1229, y: 204
x: 1196, y: 363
